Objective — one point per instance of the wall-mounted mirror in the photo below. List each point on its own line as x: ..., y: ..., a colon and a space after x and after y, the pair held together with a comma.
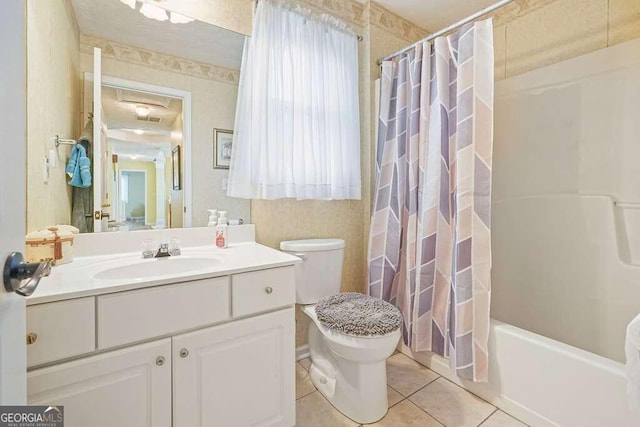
x: 146, y: 92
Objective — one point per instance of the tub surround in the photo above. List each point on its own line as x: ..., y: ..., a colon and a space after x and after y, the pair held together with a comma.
x: 545, y: 382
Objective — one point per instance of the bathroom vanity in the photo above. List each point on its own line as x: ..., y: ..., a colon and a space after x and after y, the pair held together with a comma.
x: 202, y: 339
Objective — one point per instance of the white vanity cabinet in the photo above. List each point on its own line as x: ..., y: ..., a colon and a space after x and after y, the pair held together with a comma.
x: 236, y: 374
x: 130, y: 387
x: 210, y: 352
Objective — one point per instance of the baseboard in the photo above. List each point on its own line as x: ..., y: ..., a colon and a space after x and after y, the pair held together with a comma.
x: 302, y: 352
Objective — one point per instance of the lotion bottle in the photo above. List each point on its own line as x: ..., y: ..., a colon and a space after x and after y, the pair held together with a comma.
x: 221, y: 230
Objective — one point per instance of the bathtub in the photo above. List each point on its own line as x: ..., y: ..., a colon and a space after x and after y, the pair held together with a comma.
x: 544, y: 382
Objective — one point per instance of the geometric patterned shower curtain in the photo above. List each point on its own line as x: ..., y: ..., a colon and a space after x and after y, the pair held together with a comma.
x: 430, y: 237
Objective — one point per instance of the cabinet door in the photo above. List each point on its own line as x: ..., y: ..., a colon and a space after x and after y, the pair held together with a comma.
x: 238, y: 374
x: 128, y: 387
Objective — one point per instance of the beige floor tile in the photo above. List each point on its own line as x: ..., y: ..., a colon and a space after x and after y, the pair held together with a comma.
x: 452, y: 405
x: 500, y: 419
x: 306, y: 363
x: 304, y: 385
x: 406, y: 376
x: 393, y: 396
x: 314, y: 410
x: 406, y: 414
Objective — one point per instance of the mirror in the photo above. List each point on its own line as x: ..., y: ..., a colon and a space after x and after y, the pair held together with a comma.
x: 144, y: 141
x: 147, y: 99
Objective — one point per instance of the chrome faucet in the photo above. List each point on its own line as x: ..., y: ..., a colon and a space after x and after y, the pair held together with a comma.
x: 163, y: 251
x: 152, y: 250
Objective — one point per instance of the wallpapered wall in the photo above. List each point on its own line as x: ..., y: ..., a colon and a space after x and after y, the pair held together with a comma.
x: 53, y: 107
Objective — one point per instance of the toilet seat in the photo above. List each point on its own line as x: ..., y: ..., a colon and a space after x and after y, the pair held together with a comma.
x: 355, y: 314
x: 358, y: 348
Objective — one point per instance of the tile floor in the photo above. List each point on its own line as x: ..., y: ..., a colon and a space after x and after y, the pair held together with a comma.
x: 417, y: 397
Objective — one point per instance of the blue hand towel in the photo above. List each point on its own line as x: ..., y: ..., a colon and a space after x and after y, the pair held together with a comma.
x: 73, y: 161
x: 82, y: 171
x: 85, y: 170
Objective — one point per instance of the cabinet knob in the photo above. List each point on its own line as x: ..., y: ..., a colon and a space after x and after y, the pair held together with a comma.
x: 160, y: 360
x: 268, y: 289
x: 184, y: 353
x: 31, y: 338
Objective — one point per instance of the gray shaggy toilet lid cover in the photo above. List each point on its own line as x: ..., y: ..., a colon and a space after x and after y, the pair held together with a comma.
x: 352, y: 313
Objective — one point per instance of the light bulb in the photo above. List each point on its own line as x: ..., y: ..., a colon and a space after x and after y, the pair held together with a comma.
x: 138, y: 131
x: 154, y: 12
x: 142, y: 111
x: 177, y: 18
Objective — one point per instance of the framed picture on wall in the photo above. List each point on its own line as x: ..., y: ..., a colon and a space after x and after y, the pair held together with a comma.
x: 222, y: 142
x: 175, y: 163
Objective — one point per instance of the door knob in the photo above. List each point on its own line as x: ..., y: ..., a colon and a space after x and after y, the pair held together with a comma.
x: 31, y: 338
x: 16, y: 271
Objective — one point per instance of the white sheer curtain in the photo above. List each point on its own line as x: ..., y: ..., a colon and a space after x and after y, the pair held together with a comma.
x: 297, y: 130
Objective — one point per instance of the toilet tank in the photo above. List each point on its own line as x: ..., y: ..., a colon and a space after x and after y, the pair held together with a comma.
x: 320, y: 273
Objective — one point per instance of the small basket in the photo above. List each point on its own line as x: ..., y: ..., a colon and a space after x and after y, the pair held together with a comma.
x: 53, y: 243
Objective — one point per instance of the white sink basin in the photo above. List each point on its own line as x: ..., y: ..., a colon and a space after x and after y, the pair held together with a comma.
x: 156, y: 267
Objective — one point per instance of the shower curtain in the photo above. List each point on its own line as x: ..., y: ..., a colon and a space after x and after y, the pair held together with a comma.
x: 430, y: 236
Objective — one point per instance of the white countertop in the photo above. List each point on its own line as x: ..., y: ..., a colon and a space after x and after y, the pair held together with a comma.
x: 76, y: 279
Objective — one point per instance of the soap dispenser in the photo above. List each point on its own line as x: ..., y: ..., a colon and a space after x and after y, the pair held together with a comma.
x: 213, y: 217
x: 221, y: 230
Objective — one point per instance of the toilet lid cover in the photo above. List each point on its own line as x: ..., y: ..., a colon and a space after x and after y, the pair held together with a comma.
x: 352, y: 313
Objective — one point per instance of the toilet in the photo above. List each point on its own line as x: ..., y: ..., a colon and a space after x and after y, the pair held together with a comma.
x: 349, y: 370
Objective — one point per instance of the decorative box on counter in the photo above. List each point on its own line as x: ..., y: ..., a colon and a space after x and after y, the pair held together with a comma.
x: 54, y: 243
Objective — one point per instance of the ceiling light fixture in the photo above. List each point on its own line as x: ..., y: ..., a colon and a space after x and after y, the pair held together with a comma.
x: 142, y: 111
x: 138, y: 131
x: 177, y: 18
x: 153, y: 12
x: 130, y: 3
x: 133, y: 156
x: 158, y: 13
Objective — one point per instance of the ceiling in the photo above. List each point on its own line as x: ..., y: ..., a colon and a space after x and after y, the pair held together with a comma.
x: 198, y: 41
x: 119, y: 110
x: 434, y: 15
x: 140, y: 151
x: 119, y: 105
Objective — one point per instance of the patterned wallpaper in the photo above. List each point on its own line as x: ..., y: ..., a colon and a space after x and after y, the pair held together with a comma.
x: 359, y: 15
x: 350, y: 11
x: 159, y: 61
x: 394, y: 24
x: 516, y: 9
x: 71, y: 16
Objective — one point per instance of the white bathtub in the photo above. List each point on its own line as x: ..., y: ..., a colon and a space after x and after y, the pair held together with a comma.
x: 545, y: 382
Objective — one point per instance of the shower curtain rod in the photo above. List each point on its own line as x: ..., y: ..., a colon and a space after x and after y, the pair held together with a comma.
x: 451, y: 27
